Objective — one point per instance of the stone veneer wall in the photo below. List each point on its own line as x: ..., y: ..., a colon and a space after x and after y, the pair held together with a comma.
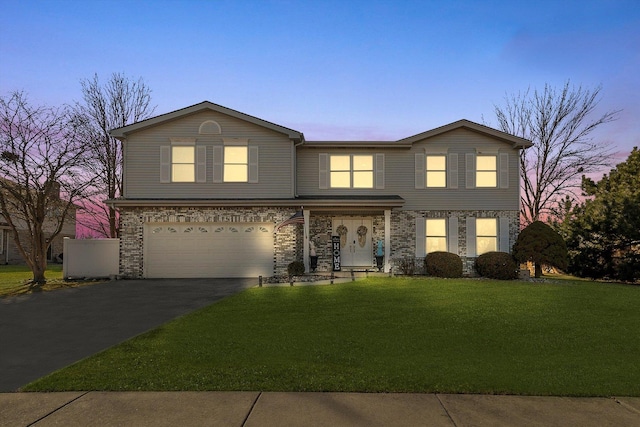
x: 403, y: 233
x: 289, y: 240
x: 132, y: 220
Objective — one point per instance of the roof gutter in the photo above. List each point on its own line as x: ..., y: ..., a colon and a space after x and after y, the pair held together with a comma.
x: 328, y: 202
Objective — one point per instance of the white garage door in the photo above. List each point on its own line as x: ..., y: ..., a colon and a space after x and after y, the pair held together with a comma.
x: 208, y: 250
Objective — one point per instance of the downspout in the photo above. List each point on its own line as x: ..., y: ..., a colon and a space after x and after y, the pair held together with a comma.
x: 295, y: 165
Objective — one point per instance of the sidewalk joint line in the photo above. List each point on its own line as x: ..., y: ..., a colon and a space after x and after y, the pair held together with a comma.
x: 57, y: 409
x: 244, y: 422
x: 445, y: 410
x: 624, y: 405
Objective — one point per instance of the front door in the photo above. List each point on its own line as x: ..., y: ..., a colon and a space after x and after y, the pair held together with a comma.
x: 355, y: 241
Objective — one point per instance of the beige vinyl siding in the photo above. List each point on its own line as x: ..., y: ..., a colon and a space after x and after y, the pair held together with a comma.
x: 400, y: 177
x: 270, y: 175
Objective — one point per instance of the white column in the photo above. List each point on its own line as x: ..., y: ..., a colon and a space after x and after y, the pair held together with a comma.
x: 387, y: 240
x: 305, y: 241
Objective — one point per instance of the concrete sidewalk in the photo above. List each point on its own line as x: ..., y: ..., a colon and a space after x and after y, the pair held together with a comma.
x: 310, y: 409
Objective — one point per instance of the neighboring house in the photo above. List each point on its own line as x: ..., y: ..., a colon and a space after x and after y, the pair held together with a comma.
x: 9, y: 253
x: 206, y: 186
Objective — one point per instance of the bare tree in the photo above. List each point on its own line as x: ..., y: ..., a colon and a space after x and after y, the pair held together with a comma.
x: 119, y: 102
x: 559, y: 123
x: 41, y: 159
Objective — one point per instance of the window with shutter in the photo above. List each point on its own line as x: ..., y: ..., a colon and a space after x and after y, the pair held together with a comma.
x: 201, y: 164
x: 379, y: 171
x: 323, y: 171
x: 453, y: 170
x: 253, y: 164
x: 350, y: 171
x: 504, y: 170
x: 420, y: 169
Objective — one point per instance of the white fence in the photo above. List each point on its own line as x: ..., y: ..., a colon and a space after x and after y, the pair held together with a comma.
x: 91, y: 258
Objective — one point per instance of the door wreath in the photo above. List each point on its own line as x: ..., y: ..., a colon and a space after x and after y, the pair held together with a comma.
x: 342, y: 232
x: 362, y: 235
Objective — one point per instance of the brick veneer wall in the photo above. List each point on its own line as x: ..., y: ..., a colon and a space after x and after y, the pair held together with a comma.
x: 132, y: 220
x: 403, y: 232
x: 288, y: 242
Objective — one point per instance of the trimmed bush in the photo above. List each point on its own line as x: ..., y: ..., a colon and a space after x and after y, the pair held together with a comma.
x: 296, y: 268
x: 443, y: 264
x: 497, y: 265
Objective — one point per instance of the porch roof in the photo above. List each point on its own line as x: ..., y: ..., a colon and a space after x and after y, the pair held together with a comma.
x: 350, y: 202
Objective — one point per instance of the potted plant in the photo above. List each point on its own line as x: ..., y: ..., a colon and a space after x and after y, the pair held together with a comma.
x: 379, y: 256
x: 313, y: 258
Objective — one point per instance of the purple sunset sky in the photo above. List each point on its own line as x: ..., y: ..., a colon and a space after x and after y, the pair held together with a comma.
x: 351, y: 70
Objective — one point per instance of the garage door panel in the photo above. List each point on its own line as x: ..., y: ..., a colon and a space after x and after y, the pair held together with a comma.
x: 208, y: 250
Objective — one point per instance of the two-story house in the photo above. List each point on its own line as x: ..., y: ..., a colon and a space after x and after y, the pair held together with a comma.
x: 205, y: 188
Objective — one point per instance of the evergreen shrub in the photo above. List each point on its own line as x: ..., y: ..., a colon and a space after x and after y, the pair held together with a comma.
x: 296, y: 268
x: 443, y: 264
x: 497, y: 265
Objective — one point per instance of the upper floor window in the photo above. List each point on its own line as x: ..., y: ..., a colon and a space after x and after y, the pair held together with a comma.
x: 486, y: 171
x: 486, y: 235
x: 436, y: 235
x: 436, y: 175
x: 434, y: 169
x: 351, y: 171
x: 236, y: 164
x: 183, y: 164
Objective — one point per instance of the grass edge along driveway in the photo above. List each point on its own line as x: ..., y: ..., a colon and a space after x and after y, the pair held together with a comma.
x: 14, y: 280
x: 571, y: 338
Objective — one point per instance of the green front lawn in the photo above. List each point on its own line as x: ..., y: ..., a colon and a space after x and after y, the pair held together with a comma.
x: 13, y: 278
x: 387, y: 335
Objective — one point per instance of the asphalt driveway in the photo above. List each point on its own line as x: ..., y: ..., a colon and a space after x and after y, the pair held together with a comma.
x: 40, y: 333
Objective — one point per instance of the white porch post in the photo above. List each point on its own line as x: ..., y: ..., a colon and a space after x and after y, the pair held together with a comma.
x: 387, y: 240
x: 305, y: 242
